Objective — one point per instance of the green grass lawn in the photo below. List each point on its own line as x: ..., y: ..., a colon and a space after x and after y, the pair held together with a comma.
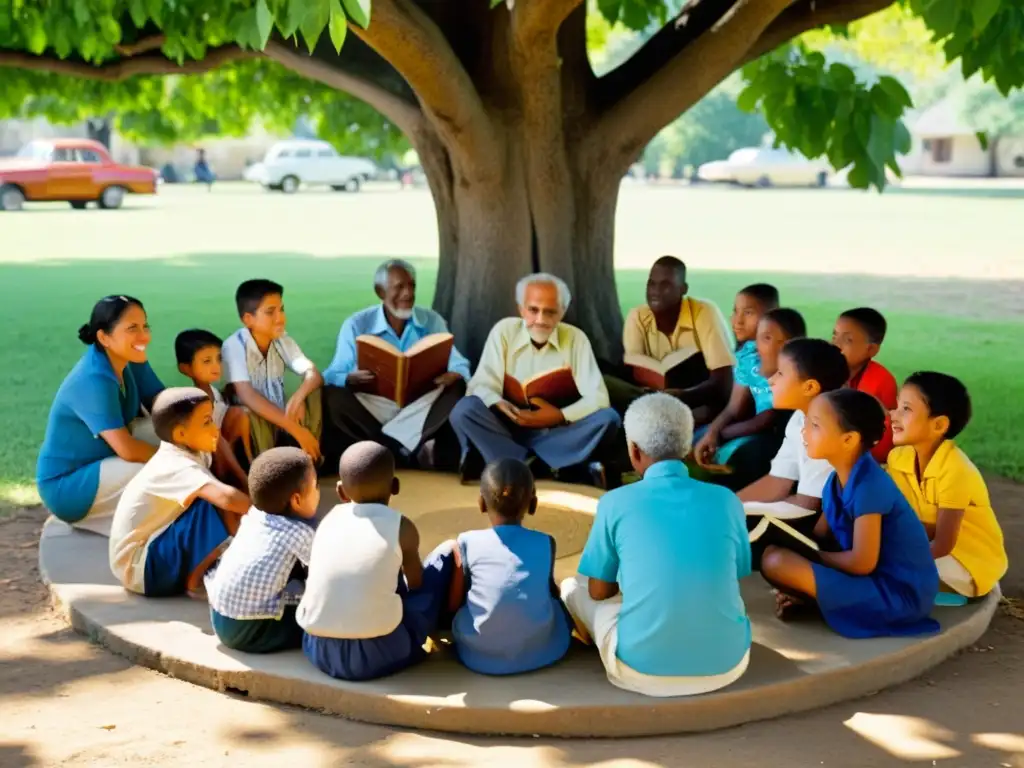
x: 47, y: 301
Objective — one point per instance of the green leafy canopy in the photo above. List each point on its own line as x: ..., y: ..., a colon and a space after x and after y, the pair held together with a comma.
x: 811, y: 103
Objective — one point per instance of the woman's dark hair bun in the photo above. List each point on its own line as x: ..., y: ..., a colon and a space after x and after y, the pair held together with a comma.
x: 86, y: 334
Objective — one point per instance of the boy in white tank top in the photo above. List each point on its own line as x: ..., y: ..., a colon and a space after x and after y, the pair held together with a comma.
x: 370, y: 604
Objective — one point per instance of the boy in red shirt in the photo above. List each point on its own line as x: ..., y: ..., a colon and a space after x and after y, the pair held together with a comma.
x: 859, y: 334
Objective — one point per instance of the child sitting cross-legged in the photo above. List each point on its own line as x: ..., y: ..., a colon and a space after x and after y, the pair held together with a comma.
x: 859, y: 334
x: 793, y: 486
x: 174, y: 517
x: 254, y: 591
x: 943, y: 486
x: 198, y: 355
x: 748, y: 433
x: 370, y: 604
x: 881, y: 579
x: 509, y: 617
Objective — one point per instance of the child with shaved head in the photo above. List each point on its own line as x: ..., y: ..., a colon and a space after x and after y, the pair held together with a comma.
x: 370, y: 604
x: 509, y: 617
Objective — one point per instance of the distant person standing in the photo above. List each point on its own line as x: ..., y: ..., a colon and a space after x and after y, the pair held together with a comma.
x: 202, y: 170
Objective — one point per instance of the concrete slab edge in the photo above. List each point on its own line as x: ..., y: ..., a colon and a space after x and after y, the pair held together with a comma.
x: 663, y: 716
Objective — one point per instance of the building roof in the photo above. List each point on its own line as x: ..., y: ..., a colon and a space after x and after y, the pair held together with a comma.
x: 944, y: 118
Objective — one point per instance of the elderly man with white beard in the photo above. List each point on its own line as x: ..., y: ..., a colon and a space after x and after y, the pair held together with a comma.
x: 571, y: 440
x: 353, y: 414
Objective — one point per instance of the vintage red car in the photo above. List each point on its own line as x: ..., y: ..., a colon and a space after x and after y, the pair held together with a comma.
x: 78, y: 171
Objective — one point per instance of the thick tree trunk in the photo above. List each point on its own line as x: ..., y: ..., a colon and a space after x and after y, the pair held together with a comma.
x: 536, y: 203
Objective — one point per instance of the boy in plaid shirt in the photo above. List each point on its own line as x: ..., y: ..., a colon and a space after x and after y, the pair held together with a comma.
x: 252, y: 595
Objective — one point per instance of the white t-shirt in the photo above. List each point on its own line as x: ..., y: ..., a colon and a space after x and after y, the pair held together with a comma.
x: 353, y: 573
x: 793, y: 463
x: 151, y: 501
x: 243, y: 361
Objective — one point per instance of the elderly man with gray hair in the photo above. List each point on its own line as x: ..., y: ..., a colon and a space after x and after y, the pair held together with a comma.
x: 353, y: 412
x: 658, y: 586
x: 569, y: 437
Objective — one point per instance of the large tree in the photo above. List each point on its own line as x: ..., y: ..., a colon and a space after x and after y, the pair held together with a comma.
x: 523, y: 145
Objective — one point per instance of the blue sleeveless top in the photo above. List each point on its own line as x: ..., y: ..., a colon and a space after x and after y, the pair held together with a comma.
x: 512, y: 620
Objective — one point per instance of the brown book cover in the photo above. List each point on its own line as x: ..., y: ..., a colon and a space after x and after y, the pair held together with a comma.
x: 557, y: 387
x: 404, y: 376
x: 682, y: 368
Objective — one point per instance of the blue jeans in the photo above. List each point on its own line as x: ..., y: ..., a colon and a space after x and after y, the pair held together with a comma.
x: 182, y: 547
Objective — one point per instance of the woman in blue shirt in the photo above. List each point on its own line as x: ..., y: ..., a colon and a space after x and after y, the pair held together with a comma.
x: 98, y: 436
x: 881, y: 580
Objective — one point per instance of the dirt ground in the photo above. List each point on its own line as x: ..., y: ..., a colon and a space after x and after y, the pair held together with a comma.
x: 66, y: 702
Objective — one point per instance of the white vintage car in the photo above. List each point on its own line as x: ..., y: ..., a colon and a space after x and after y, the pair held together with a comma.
x: 766, y: 167
x: 289, y: 165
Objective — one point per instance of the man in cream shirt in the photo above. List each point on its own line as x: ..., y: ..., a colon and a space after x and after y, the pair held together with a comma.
x: 521, y: 347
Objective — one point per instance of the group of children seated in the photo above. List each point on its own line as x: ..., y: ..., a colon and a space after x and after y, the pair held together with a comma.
x: 353, y: 592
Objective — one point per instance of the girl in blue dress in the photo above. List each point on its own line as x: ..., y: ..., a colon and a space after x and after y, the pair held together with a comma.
x: 509, y: 617
x: 881, y: 579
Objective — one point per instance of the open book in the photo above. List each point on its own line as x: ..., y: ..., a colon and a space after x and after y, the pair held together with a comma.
x: 404, y: 376
x: 772, y: 530
x: 683, y: 368
x: 557, y: 387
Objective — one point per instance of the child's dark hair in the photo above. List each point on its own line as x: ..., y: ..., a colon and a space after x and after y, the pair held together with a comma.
x: 764, y: 294
x: 188, y: 343
x: 173, y: 407
x: 946, y: 396
x: 507, y: 488
x: 275, y: 476
x: 817, y: 359
x: 251, y: 294
x: 859, y: 412
x: 870, y: 320
x: 106, y: 314
x: 789, y: 320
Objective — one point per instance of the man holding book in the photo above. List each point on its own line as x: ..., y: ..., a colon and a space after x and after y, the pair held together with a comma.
x: 675, y: 343
x: 395, y: 376
x: 538, y: 390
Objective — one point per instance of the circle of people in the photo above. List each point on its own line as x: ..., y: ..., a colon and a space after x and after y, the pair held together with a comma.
x: 764, y: 450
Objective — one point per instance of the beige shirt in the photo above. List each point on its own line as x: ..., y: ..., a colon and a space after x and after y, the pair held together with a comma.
x: 510, y: 350
x: 700, y: 326
x: 151, y: 501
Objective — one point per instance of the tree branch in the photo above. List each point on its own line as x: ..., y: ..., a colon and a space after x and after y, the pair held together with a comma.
x: 404, y: 114
x: 696, y: 18
x: 412, y: 43
x: 627, y: 127
x: 533, y: 18
x: 811, y: 14
x: 145, y: 45
x: 126, y: 68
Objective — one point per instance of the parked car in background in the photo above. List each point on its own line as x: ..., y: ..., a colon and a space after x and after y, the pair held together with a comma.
x: 289, y: 165
x: 78, y: 171
x: 766, y: 167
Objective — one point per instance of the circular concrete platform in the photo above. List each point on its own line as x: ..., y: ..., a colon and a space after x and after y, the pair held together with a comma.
x: 794, y: 667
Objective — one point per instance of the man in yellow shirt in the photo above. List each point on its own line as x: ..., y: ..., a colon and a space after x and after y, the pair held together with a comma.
x: 536, y: 342
x: 943, y: 486
x: 671, y: 321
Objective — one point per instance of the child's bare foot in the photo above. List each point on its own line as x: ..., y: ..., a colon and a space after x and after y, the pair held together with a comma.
x: 787, y: 606
x: 580, y: 632
x: 197, y: 593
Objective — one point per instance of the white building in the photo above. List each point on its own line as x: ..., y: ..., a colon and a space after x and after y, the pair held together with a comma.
x: 945, y: 145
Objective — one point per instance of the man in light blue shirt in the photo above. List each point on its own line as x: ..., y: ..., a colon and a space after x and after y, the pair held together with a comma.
x: 658, y: 586
x: 354, y: 413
